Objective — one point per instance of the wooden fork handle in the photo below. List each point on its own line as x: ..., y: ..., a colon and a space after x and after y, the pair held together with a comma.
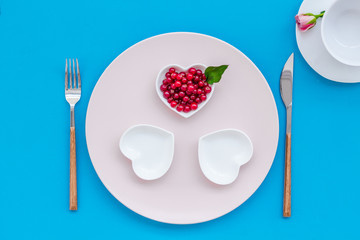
x: 73, y: 185
x: 287, y: 181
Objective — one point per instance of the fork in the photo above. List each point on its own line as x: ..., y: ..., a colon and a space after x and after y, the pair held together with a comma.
x: 72, y: 95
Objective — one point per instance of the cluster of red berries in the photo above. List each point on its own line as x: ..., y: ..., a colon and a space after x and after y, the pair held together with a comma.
x: 184, y: 91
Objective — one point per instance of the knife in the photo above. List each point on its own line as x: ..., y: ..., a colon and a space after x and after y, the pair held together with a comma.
x: 286, y: 86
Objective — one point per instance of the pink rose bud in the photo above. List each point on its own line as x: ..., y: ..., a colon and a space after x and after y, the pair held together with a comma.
x: 307, y: 21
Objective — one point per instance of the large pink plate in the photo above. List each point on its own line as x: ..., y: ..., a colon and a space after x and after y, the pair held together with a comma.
x: 125, y: 95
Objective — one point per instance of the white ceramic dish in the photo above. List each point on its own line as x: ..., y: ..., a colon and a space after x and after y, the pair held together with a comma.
x: 150, y: 148
x: 222, y: 153
x: 183, y: 195
x: 178, y: 68
x: 313, y: 50
x: 340, y: 31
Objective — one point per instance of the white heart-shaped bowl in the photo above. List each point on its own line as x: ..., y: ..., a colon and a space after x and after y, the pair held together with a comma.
x: 178, y: 68
x: 150, y: 148
x: 222, y: 153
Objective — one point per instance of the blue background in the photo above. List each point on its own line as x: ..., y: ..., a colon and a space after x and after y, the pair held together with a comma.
x: 37, y: 36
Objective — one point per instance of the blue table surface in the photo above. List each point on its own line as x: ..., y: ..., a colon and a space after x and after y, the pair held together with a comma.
x: 37, y: 36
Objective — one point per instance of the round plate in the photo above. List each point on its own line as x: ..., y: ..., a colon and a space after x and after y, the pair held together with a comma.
x: 313, y: 49
x: 125, y: 96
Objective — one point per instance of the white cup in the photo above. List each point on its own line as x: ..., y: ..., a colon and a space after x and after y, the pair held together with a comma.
x: 340, y: 31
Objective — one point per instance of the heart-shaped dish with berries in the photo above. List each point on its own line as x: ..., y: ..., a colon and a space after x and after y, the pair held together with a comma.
x: 187, y: 90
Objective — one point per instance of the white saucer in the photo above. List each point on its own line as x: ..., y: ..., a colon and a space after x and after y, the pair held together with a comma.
x: 314, y: 51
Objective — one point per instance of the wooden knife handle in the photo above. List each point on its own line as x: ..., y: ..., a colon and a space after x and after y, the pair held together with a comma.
x: 73, y: 185
x: 287, y: 181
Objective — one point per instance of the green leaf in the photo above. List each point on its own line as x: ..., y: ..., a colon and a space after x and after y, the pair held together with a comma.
x: 213, y: 74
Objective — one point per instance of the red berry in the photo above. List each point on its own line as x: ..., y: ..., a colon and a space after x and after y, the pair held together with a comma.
x: 201, y: 83
x: 180, y: 108
x: 183, y: 74
x: 199, y: 72
x: 207, y: 89
x: 163, y: 87
x: 199, y: 91
x: 176, y: 96
x: 171, y: 70
x: 192, y: 97
x: 173, y: 86
x: 194, y: 106
x: 185, y: 99
x: 188, y: 93
x: 179, y: 77
x: 172, y: 91
x: 166, y: 94
x: 190, y: 88
x: 203, y: 97
x: 203, y: 77
x: 198, y: 100
x: 170, y: 99
x: 184, y: 80
x: 196, y: 78
x: 183, y: 87
x: 173, y: 75
x: 206, y: 84
x: 192, y: 71
x: 189, y: 76
x: 187, y: 109
x: 173, y: 104
x: 167, y: 75
x: 181, y: 94
x: 177, y: 84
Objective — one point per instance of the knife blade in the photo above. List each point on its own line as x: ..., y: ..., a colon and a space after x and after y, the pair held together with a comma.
x: 286, y: 89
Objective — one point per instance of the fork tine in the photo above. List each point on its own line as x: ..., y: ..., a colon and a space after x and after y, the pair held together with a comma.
x: 78, y: 74
x: 70, y: 81
x: 74, y: 77
x: 66, y: 75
